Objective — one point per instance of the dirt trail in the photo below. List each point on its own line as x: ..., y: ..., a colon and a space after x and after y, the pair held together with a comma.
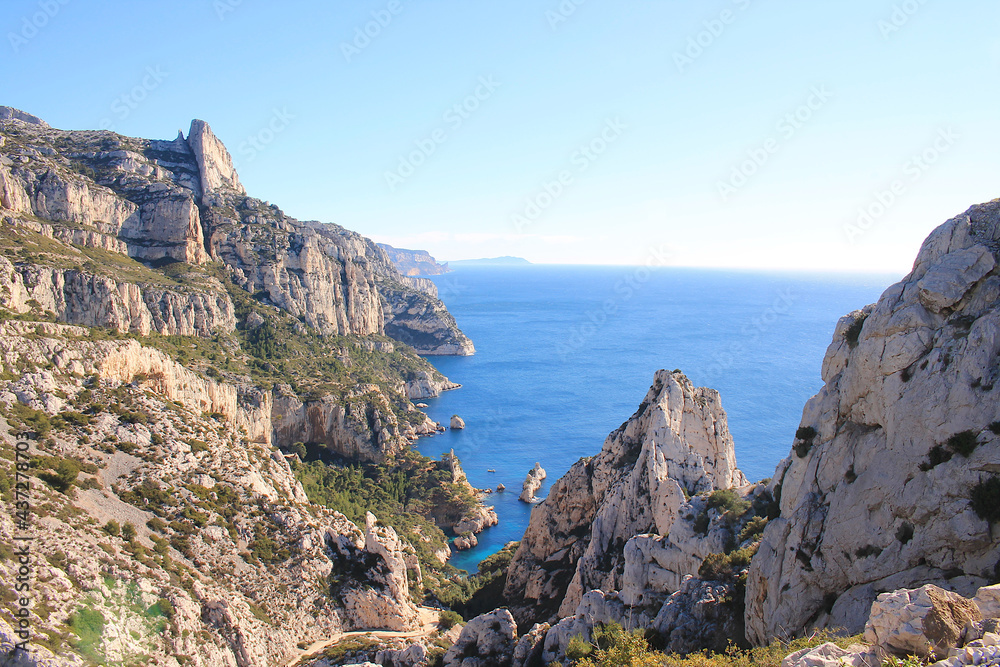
x: 428, y: 624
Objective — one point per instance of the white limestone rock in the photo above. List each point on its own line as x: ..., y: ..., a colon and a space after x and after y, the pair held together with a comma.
x: 902, y: 377
x: 532, y: 483
x: 676, y: 443
x: 926, y: 622
x: 831, y: 655
x: 486, y: 640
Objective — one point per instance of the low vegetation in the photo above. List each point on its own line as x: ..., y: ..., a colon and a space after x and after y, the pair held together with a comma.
x: 613, y: 646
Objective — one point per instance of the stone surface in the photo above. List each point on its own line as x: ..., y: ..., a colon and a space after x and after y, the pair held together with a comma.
x: 926, y: 622
x: 676, y: 443
x: 532, y: 483
x: 457, y: 423
x: 987, y: 599
x: 487, y: 640
x: 831, y: 655
x: 414, y: 262
x: 529, y: 648
x: 902, y: 377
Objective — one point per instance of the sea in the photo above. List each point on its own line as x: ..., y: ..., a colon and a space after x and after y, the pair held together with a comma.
x: 565, y: 354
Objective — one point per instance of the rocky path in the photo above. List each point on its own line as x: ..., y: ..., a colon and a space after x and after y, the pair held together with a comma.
x: 428, y: 624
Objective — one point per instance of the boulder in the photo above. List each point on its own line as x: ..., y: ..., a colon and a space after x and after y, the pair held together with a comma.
x: 457, y: 422
x: 926, y: 622
x: 486, y: 641
x: 831, y: 655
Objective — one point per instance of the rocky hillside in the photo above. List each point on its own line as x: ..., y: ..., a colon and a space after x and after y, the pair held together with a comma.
x: 165, y: 526
x: 414, y: 262
x: 216, y: 405
x: 893, y: 478
x: 163, y: 202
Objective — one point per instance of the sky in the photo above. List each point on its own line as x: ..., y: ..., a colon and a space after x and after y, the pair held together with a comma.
x: 731, y: 133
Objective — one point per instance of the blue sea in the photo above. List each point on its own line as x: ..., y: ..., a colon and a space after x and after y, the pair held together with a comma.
x: 565, y: 354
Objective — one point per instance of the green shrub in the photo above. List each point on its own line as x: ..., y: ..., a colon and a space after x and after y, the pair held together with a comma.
x: 985, y: 497
x: 753, y: 528
x: 728, y: 501
x: 935, y: 457
x: 804, y: 437
x: 448, y: 619
x: 578, y: 648
x: 726, y: 566
x: 853, y: 333
x: 112, y: 528
x: 963, y: 443
x: 128, y: 532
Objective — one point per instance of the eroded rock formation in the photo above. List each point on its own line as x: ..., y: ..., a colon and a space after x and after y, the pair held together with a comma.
x: 880, y: 492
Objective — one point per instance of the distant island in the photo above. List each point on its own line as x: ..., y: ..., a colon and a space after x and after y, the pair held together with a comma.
x: 506, y: 260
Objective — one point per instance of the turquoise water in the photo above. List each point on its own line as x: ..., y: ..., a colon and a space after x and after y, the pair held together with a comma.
x: 564, y: 355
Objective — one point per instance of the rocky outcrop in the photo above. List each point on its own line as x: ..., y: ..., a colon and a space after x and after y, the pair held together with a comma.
x: 360, y: 425
x: 383, y: 601
x: 182, y: 201
x: 477, y: 520
x: 456, y: 423
x: 532, y: 483
x: 421, y: 322
x: 428, y: 385
x: 215, y: 166
x: 910, y: 379
x: 95, y: 300
x: 414, y: 262
x: 675, y: 446
x: 10, y: 113
x: 488, y: 639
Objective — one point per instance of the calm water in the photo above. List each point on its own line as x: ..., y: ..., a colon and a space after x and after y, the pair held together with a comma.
x: 564, y: 355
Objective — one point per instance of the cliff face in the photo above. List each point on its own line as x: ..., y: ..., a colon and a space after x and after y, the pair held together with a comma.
x: 414, y: 262
x: 182, y: 201
x: 897, y: 459
x: 581, y: 536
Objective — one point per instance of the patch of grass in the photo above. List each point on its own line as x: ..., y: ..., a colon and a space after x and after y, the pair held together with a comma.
x: 88, y: 624
x: 448, y: 619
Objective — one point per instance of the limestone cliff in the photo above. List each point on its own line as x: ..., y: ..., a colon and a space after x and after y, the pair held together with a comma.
x: 893, y: 475
x: 675, y: 446
x: 182, y: 201
x: 414, y: 262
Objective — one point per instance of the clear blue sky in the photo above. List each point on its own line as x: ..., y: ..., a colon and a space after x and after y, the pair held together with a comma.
x: 883, y: 88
